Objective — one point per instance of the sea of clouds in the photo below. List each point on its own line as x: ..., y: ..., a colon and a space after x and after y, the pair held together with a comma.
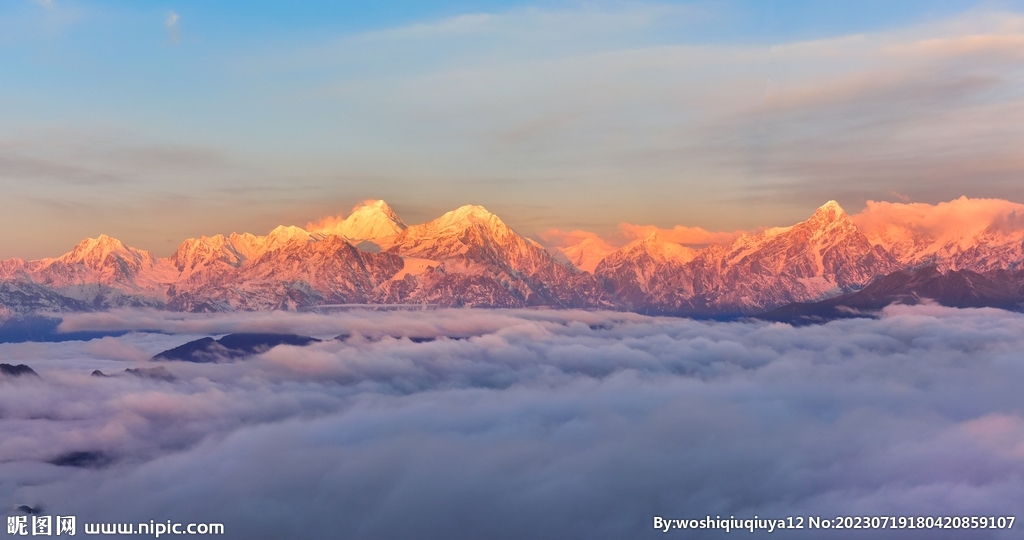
x: 518, y: 424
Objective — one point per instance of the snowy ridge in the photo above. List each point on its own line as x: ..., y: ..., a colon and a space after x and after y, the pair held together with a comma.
x: 470, y: 257
x: 369, y: 220
x: 585, y: 254
x: 972, y: 234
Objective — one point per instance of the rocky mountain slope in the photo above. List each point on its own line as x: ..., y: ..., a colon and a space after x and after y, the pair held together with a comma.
x: 470, y: 257
x: 1002, y: 289
x: 823, y: 256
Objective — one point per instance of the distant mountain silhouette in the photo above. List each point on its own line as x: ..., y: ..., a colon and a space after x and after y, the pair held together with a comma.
x: 19, y: 370
x: 231, y: 346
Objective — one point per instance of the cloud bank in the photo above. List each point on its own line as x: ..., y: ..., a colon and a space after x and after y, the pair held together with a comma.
x: 525, y: 424
x: 957, y: 221
x: 687, y: 236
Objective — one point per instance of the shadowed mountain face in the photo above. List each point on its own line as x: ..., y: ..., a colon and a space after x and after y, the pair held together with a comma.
x: 960, y: 288
x: 158, y: 373
x: 39, y: 328
x: 83, y: 459
x: 19, y: 370
x: 231, y: 346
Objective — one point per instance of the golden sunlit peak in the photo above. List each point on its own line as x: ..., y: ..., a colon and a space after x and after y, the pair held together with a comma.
x: 371, y: 219
x: 101, y: 241
x: 471, y: 210
x: 463, y: 215
x: 830, y: 209
x: 376, y: 204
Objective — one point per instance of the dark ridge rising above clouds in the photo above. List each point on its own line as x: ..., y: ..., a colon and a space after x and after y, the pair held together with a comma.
x: 83, y: 459
x: 159, y: 373
x: 19, y: 370
x: 43, y: 328
x: 1001, y: 289
x: 231, y: 346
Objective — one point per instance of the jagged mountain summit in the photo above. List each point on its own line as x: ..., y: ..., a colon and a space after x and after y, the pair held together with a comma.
x: 470, y: 257
x: 823, y: 256
x: 585, y: 254
x: 962, y: 234
x: 369, y: 220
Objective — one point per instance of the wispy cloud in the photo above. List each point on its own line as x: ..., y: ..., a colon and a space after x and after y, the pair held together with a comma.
x: 171, y: 22
x: 545, y: 24
x: 689, y: 236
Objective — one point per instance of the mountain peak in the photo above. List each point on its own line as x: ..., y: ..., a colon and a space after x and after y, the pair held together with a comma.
x: 285, y: 234
x: 662, y: 249
x: 456, y: 221
x: 470, y: 211
x: 830, y: 206
x: 469, y: 231
x: 289, y: 231
x: 828, y: 213
x: 369, y: 220
x: 100, y: 246
x: 104, y: 259
x: 466, y: 215
x: 374, y: 206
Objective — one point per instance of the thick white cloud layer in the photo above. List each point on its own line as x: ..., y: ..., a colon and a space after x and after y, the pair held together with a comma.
x: 534, y: 424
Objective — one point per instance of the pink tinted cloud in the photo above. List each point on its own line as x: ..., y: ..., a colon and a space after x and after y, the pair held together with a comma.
x: 963, y: 217
x: 557, y: 238
x: 330, y: 224
x: 1002, y: 432
x: 690, y: 236
x: 584, y: 249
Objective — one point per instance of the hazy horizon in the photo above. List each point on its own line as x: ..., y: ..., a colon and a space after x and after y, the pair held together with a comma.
x: 159, y: 121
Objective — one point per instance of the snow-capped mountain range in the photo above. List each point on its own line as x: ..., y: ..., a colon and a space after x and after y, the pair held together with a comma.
x: 470, y: 257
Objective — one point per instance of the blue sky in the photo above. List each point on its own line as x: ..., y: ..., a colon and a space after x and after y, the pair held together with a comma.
x: 156, y: 121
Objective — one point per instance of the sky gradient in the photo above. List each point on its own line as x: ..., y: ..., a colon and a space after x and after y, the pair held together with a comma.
x: 157, y: 121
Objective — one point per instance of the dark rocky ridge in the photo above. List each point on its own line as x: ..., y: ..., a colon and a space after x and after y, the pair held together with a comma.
x: 1001, y: 289
x: 83, y: 460
x: 231, y: 347
x: 44, y: 328
x: 158, y: 373
x: 19, y: 370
